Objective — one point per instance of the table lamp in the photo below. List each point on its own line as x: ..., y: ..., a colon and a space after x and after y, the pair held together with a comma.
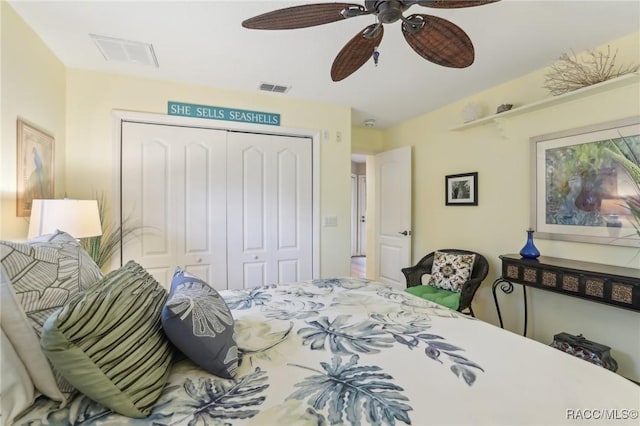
x: 78, y: 218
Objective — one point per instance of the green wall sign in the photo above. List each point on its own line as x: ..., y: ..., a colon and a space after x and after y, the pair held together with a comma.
x: 220, y: 113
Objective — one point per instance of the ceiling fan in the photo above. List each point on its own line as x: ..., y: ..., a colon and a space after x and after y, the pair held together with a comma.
x: 435, y: 39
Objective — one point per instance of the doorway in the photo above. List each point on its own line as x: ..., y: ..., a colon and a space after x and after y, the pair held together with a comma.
x: 358, y: 216
x: 387, y: 220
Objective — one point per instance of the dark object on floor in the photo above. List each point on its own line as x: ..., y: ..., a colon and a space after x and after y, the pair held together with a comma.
x: 585, y: 349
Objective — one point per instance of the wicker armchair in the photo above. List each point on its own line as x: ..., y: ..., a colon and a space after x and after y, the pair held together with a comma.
x: 479, y: 272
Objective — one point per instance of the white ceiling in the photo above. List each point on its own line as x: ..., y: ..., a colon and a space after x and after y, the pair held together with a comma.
x: 203, y: 43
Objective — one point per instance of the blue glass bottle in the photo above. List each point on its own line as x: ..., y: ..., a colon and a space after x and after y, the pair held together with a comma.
x: 529, y: 251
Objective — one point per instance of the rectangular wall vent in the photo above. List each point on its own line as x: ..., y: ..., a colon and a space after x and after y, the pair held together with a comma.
x: 268, y: 87
x: 115, y: 49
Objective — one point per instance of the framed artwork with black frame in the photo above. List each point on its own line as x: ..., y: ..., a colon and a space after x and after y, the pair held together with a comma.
x: 461, y: 189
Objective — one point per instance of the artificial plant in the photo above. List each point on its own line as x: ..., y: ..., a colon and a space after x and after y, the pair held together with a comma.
x: 622, y: 152
x: 103, y: 247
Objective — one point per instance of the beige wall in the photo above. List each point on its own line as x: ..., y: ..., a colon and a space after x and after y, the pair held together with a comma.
x: 92, y: 96
x: 32, y: 84
x: 75, y: 106
x: 366, y: 141
x: 500, y: 154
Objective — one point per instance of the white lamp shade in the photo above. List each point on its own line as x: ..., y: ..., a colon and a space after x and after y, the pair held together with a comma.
x: 78, y: 218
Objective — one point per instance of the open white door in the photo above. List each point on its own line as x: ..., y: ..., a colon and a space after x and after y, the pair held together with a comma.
x: 362, y: 215
x: 354, y: 215
x: 392, y: 189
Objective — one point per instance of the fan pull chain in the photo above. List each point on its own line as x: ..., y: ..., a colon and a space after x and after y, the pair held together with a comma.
x: 376, y: 55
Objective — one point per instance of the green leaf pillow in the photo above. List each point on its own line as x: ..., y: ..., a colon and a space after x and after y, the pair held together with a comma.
x: 109, y: 344
x: 41, y: 275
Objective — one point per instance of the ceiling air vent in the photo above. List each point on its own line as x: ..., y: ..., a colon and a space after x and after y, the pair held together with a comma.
x: 115, y: 49
x: 275, y: 88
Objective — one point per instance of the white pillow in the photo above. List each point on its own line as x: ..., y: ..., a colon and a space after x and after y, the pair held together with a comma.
x: 16, y: 387
x: 20, y: 333
x: 425, y: 279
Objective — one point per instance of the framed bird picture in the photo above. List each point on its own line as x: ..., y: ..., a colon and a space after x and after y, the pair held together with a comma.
x: 35, y: 167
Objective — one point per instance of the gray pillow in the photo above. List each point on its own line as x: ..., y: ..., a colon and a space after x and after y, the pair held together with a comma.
x: 109, y: 344
x: 199, y: 323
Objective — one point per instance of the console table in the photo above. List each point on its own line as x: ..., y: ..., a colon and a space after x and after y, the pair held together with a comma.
x: 611, y: 285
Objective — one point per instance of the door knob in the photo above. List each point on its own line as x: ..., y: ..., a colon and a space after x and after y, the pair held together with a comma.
x: 255, y: 257
x: 199, y: 260
x: 405, y: 233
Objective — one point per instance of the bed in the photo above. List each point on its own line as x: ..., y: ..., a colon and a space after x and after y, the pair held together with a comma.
x: 330, y: 351
x: 354, y: 351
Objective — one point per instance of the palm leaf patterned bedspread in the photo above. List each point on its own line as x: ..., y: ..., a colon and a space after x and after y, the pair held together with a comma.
x: 356, y: 352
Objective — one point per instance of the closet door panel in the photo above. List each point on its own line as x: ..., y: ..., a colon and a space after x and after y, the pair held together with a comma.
x: 292, y: 244
x: 288, y: 203
x: 269, y: 209
x: 174, y: 186
x: 253, y: 192
x: 197, y: 199
x: 288, y: 270
x: 153, y: 196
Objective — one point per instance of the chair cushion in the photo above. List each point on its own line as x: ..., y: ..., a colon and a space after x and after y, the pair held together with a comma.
x: 199, y: 323
x: 109, y: 344
x: 450, y: 271
x: 450, y: 299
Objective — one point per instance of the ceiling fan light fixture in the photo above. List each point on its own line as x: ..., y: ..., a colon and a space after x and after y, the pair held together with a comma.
x: 434, y: 39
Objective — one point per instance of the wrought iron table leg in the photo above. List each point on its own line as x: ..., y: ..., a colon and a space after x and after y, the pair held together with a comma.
x: 507, y: 288
x: 524, y: 292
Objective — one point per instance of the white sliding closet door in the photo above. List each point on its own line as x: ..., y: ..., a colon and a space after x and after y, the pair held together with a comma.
x: 232, y: 208
x: 269, y: 196
x: 174, y: 185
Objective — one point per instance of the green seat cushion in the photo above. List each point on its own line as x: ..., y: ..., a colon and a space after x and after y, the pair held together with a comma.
x: 450, y: 299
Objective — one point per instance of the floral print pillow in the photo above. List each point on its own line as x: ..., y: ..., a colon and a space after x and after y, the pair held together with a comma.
x: 450, y: 271
x: 198, y: 322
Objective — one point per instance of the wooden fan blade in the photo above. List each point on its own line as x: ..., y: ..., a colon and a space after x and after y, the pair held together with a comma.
x: 308, y: 15
x: 441, y: 42
x: 454, y: 4
x: 355, y: 53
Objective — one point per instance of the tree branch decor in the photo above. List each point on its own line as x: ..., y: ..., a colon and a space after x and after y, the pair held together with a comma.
x: 571, y: 72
